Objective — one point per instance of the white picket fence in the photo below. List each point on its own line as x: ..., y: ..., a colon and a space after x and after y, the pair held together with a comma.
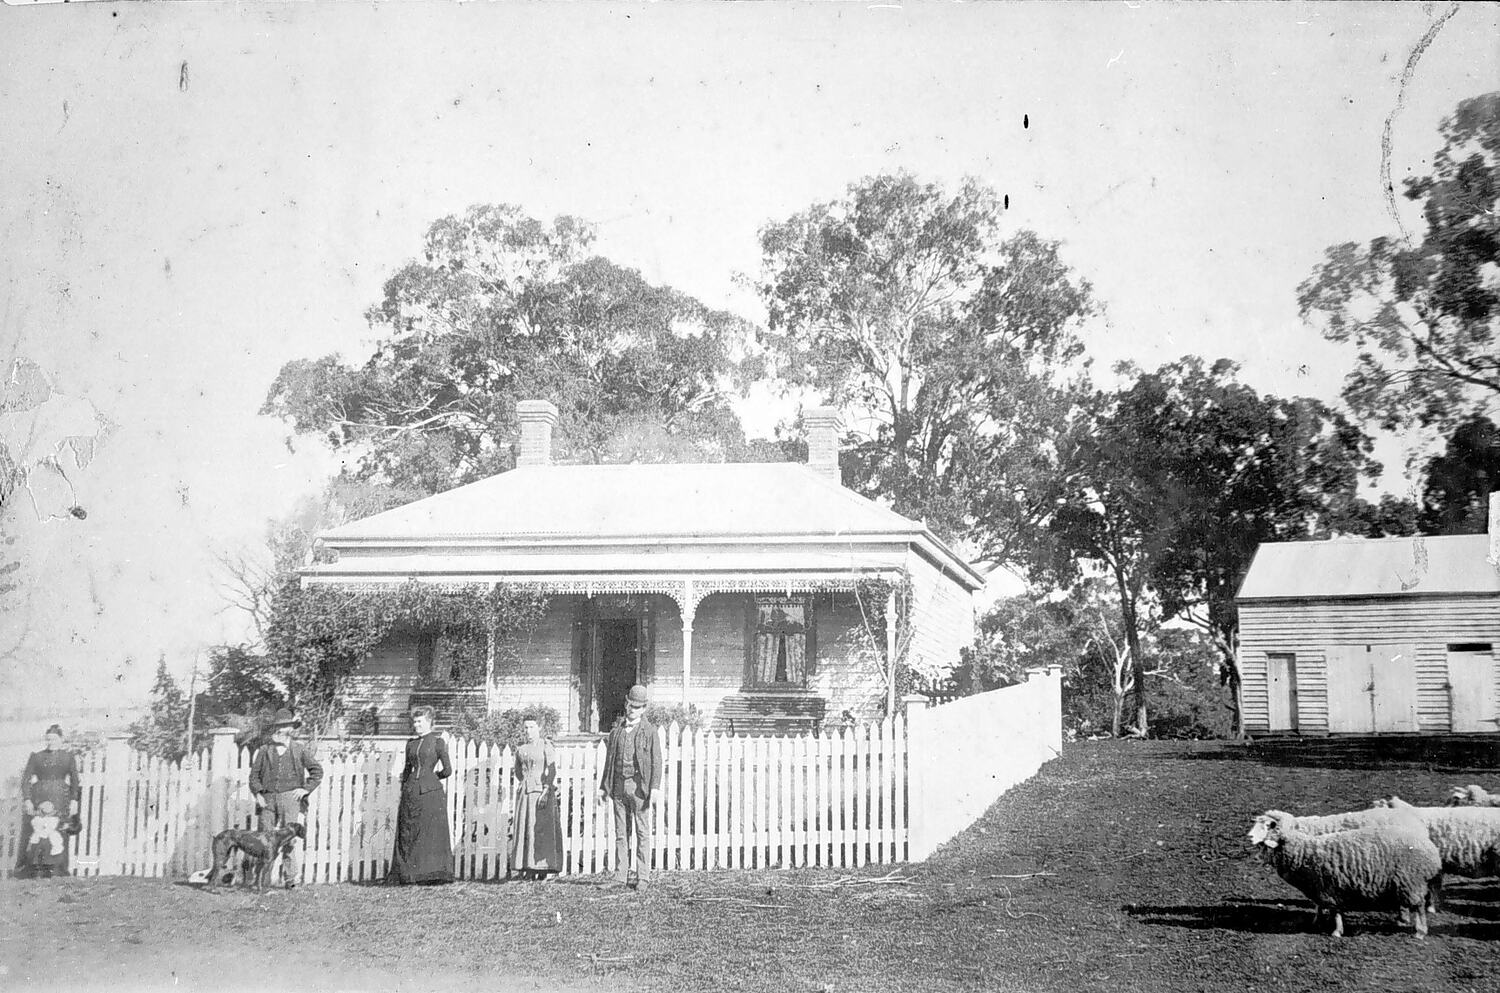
x: 841, y: 799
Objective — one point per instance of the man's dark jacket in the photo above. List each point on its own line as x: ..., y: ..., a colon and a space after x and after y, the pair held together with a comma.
x: 647, y: 752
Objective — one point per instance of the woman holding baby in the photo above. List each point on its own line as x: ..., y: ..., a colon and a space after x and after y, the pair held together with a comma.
x: 49, y: 800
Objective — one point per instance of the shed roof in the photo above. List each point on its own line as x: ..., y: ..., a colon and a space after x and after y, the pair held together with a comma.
x: 1362, y: 567
x: 729, y: 502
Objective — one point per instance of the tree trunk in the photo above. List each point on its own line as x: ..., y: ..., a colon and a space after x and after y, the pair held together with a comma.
x: 1236, y: 705
x: 1133, y: 645
x: 1230, y: 660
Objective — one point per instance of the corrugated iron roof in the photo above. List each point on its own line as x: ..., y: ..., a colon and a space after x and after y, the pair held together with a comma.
x: 647, y: 503
x: 1347, y: 567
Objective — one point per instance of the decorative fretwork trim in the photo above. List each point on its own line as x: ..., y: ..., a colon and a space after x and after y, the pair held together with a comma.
x: 686, y: 591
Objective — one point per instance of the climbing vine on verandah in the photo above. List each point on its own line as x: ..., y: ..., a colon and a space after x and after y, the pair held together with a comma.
x: 319, y: 634
x: 871, y: 595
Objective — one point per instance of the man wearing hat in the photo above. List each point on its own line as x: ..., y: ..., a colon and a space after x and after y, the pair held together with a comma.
x: 632, y: 772
x: 282, y: 774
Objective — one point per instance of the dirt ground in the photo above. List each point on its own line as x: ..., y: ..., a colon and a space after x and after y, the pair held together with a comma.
x: 1122, y: 867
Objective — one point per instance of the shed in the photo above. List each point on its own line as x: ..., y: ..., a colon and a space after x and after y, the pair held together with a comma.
x: 741, y: 589
x: 1373, y: 636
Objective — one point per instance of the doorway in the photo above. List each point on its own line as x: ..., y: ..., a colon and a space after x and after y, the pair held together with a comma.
x: 1372, y: 689
x: 1471, y: 687
x: 617, y: 646
x: 1281, y: 690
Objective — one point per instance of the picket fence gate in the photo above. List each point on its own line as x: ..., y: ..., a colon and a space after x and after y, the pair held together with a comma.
x: 837, y: 799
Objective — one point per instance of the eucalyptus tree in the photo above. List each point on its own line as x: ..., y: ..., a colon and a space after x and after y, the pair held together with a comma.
x: 950, y: 346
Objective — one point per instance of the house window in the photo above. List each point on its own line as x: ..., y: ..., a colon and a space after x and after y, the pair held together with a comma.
x: 778, y: 650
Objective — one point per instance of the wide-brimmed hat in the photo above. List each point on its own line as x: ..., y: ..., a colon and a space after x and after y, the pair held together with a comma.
x: 284, y: 718
x: 637, y: 696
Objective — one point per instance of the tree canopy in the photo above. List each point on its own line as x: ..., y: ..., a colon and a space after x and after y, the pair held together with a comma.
x: 1425, y: 316
x: 499, y: 308
x: 951, y: 350
x: 1455, y: 499
x: 1176, y: 480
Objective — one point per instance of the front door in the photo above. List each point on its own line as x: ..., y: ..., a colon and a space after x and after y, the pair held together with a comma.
x: 1471, y: 687
x: 618, y: 643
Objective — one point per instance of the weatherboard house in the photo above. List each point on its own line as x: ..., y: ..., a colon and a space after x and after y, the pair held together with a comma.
x: 1373, y: 636
x: 766, y: 594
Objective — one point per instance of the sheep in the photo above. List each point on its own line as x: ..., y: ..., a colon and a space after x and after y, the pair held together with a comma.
x: 1397, y: 811
x: 1390, y: 800
x: 1467, y: 838
x: 1381, y: 863
x: 1473, y: 796
x: 1382, y: 810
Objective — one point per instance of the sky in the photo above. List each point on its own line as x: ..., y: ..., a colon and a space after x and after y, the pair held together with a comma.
x: 196, y: 193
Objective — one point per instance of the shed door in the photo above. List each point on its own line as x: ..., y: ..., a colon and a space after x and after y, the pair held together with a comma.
x: 1349, y: 688
x: 1393, y: 678
x: 1281, y: 690
x: 1471, y: 687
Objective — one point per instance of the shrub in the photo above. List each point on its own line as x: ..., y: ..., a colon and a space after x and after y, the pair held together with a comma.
x: 364, y: 721
x: 687, y: 715
x: 505, y: 727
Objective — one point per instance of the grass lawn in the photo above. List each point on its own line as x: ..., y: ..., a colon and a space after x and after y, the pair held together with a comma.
x: 1120, y: 867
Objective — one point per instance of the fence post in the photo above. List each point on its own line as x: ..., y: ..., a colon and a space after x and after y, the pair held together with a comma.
x: 221, y: 764
x: 113, y: 805
x: 1050, y: 706
x: 918, y: 781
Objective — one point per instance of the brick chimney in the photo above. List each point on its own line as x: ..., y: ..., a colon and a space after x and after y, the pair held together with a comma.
x: 823, y: 442
x: 1495, y: 529
x: 537, y: 418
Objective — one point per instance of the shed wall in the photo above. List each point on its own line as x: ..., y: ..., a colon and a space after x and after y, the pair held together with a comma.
x: 1309, y: 628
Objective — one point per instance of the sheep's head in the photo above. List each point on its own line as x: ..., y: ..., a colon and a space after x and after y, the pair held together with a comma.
x: 1390, y: 800
x: 1464, y: 796
x: 1267, y: 830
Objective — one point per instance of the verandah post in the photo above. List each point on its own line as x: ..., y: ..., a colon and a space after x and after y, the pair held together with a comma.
x: 890, y: 653
x: 689, y: 609
x: 491, y: 636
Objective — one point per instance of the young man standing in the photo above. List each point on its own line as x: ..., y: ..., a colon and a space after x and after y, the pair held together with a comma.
x: 282, y: 774
x: 632, y: 772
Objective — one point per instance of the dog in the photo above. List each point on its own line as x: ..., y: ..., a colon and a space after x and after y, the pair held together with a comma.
x: 258, y: 852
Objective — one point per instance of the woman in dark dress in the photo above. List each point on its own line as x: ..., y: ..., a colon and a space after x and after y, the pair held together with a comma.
x: 536, y: 845
x: 423, y: 851
x: 51, y: 776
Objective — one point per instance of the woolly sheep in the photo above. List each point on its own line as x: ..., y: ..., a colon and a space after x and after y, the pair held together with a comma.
x: 1467, y: 838
x: 1389, y: 865
x: 1383, y: 810
x: 1473, y: 796
x: 1390, y: 801
x: 1392, y: 809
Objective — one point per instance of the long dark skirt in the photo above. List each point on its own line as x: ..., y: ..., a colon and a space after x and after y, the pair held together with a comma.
x: 423, y: 852
x: 32, y: 861
x: 536, y: 844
